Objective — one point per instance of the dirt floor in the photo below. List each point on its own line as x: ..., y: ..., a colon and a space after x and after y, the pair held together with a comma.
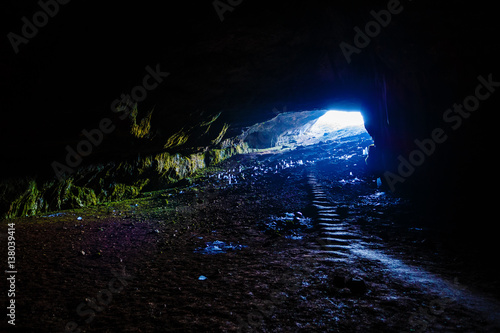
x: 241, y: 249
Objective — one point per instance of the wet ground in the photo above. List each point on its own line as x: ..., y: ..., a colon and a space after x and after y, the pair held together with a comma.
x: 284, y: 241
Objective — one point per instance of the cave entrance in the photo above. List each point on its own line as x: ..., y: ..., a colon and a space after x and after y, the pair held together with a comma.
x: 332, y: 125
x: 332, y: 140
x: 335, y: 120
x: 305, y: 128
x: 293, y: 129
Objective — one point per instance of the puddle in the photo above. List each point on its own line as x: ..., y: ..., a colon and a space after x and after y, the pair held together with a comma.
x: 217, y: 247
x: 55, y: 215
x: 352, y: 181
x: 294, y: 236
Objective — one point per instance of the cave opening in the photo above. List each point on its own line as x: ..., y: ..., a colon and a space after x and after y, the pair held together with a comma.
x: 293, y: 130
x: 333, y: 125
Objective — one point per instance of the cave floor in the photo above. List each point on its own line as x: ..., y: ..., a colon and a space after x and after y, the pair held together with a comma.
x: 139, y: 265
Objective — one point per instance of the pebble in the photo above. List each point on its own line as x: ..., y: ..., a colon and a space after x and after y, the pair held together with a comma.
x: 356, y: 285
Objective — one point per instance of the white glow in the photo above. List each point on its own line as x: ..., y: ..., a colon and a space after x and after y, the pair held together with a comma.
x: 340, y: 119
x: 334, y: 125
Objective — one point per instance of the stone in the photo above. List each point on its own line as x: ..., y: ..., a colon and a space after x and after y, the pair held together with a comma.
x: 356, y: 285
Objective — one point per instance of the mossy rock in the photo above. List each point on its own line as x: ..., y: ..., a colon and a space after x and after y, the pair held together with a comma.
x: 29, y: 203
x: 123, y: 191
x: 104, y: 183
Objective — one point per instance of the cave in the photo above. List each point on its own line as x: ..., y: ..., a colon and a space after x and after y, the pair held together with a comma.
x: 247, y: 166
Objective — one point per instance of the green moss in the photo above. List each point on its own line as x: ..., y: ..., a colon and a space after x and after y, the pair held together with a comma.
x: 177, y: 139
x: 175, y: 167
x: 111, y: 182
x: 145, y: 164
x: 122, y: 191
x: 215, y: 156
x: 142, y: 129
x: 77, y: 196
x: 209, y: 123
x: 241, y: 148
x: 29, y: 203
x: 54, y: 196
x: 218, y: 139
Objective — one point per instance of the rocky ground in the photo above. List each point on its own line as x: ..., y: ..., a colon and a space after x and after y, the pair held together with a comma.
x: 242, y: 248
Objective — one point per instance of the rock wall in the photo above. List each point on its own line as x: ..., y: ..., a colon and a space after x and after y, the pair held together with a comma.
x: 403, y: 71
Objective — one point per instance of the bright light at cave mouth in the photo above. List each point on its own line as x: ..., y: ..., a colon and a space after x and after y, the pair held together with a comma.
x: 340, y: 119
x: 334, y: 125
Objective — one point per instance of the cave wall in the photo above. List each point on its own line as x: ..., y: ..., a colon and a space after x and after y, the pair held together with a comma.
x: 267, y: 134
x: 262, y: 59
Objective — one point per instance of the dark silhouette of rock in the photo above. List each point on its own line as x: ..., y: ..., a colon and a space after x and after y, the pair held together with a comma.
x: 356, y: 285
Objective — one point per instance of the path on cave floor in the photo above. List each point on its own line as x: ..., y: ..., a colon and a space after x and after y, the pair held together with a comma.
x: 134, y: 267
x: 340, y: 241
